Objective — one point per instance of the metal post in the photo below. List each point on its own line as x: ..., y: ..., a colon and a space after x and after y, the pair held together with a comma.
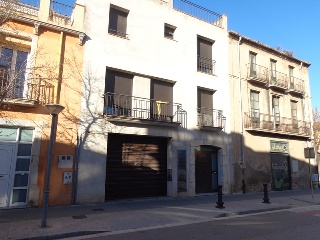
x: 220, y: 203
x: 310, y: 171
x: 243, y: 187
x: 265, y: 195
x: 47, y: 181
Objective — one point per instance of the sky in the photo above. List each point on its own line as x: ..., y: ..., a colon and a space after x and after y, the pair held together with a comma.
x: 294, y: 25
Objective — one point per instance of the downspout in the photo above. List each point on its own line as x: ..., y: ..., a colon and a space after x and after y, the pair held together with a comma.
x: 241, y: 114
x: 60, y: 66
x: 75, y: 170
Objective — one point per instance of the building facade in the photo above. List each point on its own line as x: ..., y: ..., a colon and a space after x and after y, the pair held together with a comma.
x: 38, y: 46
x: 272, y: 116
x: 155, y: 109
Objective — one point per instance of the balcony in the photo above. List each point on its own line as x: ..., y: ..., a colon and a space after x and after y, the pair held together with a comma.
x: 18, y: 90
x: 206, y: 65
x: 257, y: 74
x: 296, y: 86
x: 60, y: 12
x: 199, y: 12
x: 276, y: 124
x: 131, y: 109
x: 278, y: 80
x: 210, y: 119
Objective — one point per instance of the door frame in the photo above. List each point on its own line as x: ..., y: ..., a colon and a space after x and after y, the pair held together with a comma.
x: 11, y: 172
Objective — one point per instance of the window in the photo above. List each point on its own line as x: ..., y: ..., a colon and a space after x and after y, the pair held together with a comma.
x: 273, y: 71
x: 161, y: 100
x: 118, y: 99
x: 205, y: 107
x: 204, y: 59
x: 13, y: 65
x: 294, y: 114
x: 253, y: 66
x: 291, y: 77
x: 169, y: 31
x: 275, y: 109
x: 118, y: 21
x: 255, y: 110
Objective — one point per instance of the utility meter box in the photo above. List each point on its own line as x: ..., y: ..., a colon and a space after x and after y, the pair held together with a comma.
x: 67, y: 177
x: 65, y: 161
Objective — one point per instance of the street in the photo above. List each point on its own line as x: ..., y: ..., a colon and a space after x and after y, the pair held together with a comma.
x: 287, y: 224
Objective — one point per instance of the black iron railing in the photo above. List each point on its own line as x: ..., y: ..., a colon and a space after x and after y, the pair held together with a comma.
x: 131, y: 107
x: 211, y: 118
x: 19, y: 85
x: 34, y: 3
x: 257, y: 72
x: 296, y: 85
x: 206, y: 65
x: 198, y: 12
x: 275, y: 123
x: 278, y: 79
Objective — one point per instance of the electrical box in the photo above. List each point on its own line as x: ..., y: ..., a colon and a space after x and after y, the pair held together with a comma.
x: 65, y: 161
x: 67, y: 177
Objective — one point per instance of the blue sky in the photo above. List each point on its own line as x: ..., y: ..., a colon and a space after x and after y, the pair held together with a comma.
x: 291, y: 24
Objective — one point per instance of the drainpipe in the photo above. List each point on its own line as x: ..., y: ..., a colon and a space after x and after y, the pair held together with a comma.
x: 241, y: 113
x: 75, y: 170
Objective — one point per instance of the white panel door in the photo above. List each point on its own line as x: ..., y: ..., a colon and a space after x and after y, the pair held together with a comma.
x: 6, y: 162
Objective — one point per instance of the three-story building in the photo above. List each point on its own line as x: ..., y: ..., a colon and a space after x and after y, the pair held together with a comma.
x: 155, y: 108
x: 272, y: 115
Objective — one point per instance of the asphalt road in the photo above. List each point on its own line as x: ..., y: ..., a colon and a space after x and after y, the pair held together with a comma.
x: 277, y: 225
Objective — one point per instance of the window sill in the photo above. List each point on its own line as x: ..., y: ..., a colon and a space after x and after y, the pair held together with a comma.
x: 120, y: 36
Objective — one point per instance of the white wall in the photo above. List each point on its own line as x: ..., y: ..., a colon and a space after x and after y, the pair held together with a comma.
x: 148, y: 53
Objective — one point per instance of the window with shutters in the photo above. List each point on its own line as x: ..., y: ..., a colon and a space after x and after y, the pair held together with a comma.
x: 255, y: 109
x: 205, y: 107
x: 273, y: 71
x: 118, y: 21
x: 118, y: 89
x: 169, y: 31
x: 204, y: 59
x: 291, y: 77
x: 13, y: 65
x: 294, y: 114
x: 161, y: 100
x: 253, y: 66
x: 276, y: 110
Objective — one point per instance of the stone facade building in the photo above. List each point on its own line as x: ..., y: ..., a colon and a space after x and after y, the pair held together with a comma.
x: 272, y: 116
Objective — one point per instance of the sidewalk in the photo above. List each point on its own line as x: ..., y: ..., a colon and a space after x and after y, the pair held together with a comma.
x: 81, y: 221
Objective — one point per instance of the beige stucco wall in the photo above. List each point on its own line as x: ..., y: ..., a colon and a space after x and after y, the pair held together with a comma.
x: 256, y: 148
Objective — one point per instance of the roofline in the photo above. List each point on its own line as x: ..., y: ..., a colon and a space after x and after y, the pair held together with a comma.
x: 266, y: 47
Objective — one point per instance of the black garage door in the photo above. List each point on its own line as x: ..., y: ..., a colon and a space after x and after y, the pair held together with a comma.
x: 136, y: 166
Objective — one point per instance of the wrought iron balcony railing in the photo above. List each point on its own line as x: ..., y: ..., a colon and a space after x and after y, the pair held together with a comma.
x: 257, y: 73
x: 60, y: 12
x: 276, y: 123
x: 211, y: 118
x: 198, y: 12
x: 278, y: 80
x: 26, y: 87
x: 206, y: 65
x: 296, y: 85
x: 34, y: 3
x: 137, y: 108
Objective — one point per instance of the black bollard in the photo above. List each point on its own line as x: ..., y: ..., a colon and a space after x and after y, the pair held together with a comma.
x: 265, y: 193
x: 220, y: 203
x: 243, y: 187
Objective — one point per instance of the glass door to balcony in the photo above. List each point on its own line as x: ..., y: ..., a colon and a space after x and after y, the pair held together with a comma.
x: 253, y: 66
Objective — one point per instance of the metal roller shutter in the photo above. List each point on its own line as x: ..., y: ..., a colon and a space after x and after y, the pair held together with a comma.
x: 136, y: 166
